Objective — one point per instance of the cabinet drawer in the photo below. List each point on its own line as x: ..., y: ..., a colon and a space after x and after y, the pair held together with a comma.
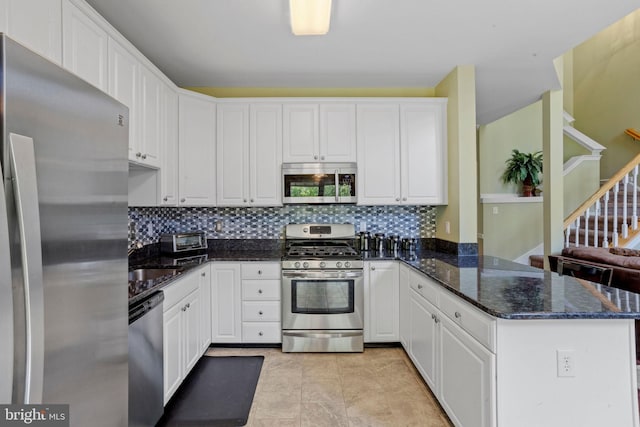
x: 261, y: 311
x: 261, y: 332
x: 261, y: 290
x: 425, y: 287
x: 478, y: 324
x: 179, y: 289
x: 261, y: 270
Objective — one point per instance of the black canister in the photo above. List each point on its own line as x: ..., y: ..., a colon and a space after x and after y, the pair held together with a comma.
x: 378, y: 242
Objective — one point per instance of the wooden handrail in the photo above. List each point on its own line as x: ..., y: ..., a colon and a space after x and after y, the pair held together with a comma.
x: 601, y: 192
x: 633, y: 133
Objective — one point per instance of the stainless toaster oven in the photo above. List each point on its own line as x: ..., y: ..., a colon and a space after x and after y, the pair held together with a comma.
x: 183, y: 242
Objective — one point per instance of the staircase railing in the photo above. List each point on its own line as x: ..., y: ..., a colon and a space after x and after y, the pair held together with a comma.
x: 583, y: 224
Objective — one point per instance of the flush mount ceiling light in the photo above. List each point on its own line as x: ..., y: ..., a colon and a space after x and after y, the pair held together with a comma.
x: 310, y: 17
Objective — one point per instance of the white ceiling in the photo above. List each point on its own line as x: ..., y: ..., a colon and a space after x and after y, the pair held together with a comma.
x: 371, y: 43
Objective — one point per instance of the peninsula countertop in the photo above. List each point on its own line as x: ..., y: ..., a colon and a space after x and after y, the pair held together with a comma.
x: 499, y: 287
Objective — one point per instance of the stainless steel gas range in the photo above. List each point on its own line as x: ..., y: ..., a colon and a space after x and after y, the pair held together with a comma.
x: 322, y: 289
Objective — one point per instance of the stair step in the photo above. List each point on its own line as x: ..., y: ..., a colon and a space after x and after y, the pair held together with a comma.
x: 536, y: 261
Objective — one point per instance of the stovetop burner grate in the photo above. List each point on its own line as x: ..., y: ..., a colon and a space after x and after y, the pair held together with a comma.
x: 322, y: 251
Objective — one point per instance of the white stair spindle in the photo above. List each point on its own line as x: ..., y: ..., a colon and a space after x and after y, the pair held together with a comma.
x: 595, y: 224
x: 634, y: 188
x: 587, y: 214
x: 625, y: 223
x: 577, y: 242
x: 567, y: 234
x: 614, y: 232
x: 605, y: 242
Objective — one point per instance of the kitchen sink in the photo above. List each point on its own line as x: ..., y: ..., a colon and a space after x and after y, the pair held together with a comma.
x: 145, y: 274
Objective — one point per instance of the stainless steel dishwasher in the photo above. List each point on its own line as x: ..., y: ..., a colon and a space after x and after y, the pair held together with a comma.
x: 146, y: 394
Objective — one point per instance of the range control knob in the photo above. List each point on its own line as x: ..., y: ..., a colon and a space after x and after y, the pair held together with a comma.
x: 305, y: 230
x: 305, y: 264
x: 347, y: 264
x: 297, y: 264
x: 338, y: 264
x: 323, y: 264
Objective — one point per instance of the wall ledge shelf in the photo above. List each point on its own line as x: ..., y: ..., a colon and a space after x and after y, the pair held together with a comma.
x: 508, y: 198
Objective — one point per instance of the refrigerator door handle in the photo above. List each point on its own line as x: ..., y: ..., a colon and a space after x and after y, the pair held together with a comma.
x: 6, y: 303
x: 25, y: 187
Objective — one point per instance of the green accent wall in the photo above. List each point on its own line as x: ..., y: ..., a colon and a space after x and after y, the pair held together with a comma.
x: 512, y: 229
x: 606, y: 84
x: 267, y: 92
x: 462, y: 210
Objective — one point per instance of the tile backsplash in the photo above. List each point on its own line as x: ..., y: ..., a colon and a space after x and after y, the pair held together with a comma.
x: 147, y: 224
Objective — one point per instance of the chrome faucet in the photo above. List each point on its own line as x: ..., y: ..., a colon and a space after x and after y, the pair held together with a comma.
x: 132, y: 248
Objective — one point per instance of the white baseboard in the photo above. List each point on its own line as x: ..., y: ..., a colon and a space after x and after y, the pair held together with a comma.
x: 524, y: 258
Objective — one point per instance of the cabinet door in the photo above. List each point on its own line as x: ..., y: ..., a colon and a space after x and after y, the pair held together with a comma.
x: 338, y: 132
x: 151, y: 89
x: 424, y: 338
x: 232, y: 141
x: 168, y: 174
x: 191, y: 331
x: 467, y: 372
x: 300, y: 133
x: 265, y: 155
x: 404, y: 307
x: 226, y: 303
x: 378, y: 154
x: 37, y: 24
x: 84, y: 46
x: 204, y: 276
x: 172, y: 350
x: 197, y: 151
x: 124, y: 76
x: 383, y: 301
x: 423, y: 180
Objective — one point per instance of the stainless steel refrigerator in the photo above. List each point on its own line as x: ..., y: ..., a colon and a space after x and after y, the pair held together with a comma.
x: 63, y: 241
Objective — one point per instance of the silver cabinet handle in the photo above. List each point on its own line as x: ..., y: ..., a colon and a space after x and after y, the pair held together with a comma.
x: 420, y: 286
x: 433, y: 316
x: 404, y: 199
x: 458, y: 315
x: 437, y: 319
x: 25, y: 188
x: 144, y: 156
x: 259, y: 291
x: 397, y: 199
x: 260, y: 313
x: 184, y: 308
x: 188, y: 304
x: 244, y: 200
x: 315, y: 157
x: 260, y: 333
x: 373, y: 268
x: 138, y: 154
x: 183, y: 200
x: 203, y: 274
x: 259, y: 271
x: 251, y: 200
x: 321, y: 157
x: 6, y: 304
x: 165, y: 198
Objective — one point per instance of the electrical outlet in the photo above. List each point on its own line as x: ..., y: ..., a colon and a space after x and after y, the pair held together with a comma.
x: 566, y: 363
x: 495, y: 210
x: 447, y: 227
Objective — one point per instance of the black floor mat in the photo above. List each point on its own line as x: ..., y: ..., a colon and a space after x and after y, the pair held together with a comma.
x: 217, y: 392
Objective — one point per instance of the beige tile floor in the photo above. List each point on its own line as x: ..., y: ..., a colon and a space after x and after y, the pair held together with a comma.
x: 379, y: 387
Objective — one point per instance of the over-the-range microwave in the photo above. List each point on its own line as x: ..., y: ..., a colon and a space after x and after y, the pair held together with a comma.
x: 319, y: 183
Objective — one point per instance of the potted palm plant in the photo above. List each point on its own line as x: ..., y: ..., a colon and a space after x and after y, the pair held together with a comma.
x: 524, y: 168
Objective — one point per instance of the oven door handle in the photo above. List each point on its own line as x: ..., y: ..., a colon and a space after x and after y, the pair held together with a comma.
x: 331, y: 334
x: 322, y: 274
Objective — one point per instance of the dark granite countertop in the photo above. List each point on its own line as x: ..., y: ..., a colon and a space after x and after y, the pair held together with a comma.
x: 499, y: 287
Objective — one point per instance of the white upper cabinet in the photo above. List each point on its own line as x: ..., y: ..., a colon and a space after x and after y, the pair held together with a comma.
x: 322, y: 132
x: 151, y: 89
x: 84, y: 46
x: 197, y: 150
x: 265, y: 155
x: 402, y: 153
x: 36, y: 24
x: 378, y: 154
x: 168, y: 174
x: 249, y: 152
x: 423, y: 178
x: 124, y: 79
x: 337, y: 132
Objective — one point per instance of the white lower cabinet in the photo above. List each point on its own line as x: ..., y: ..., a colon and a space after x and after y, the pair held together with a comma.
x: 204, y: 284
x: 381, y: 289
x: 452, y: 344
x: 261, y: 283
x: 181, y: 330
x: 226, y: 303
x: 404, y: 327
